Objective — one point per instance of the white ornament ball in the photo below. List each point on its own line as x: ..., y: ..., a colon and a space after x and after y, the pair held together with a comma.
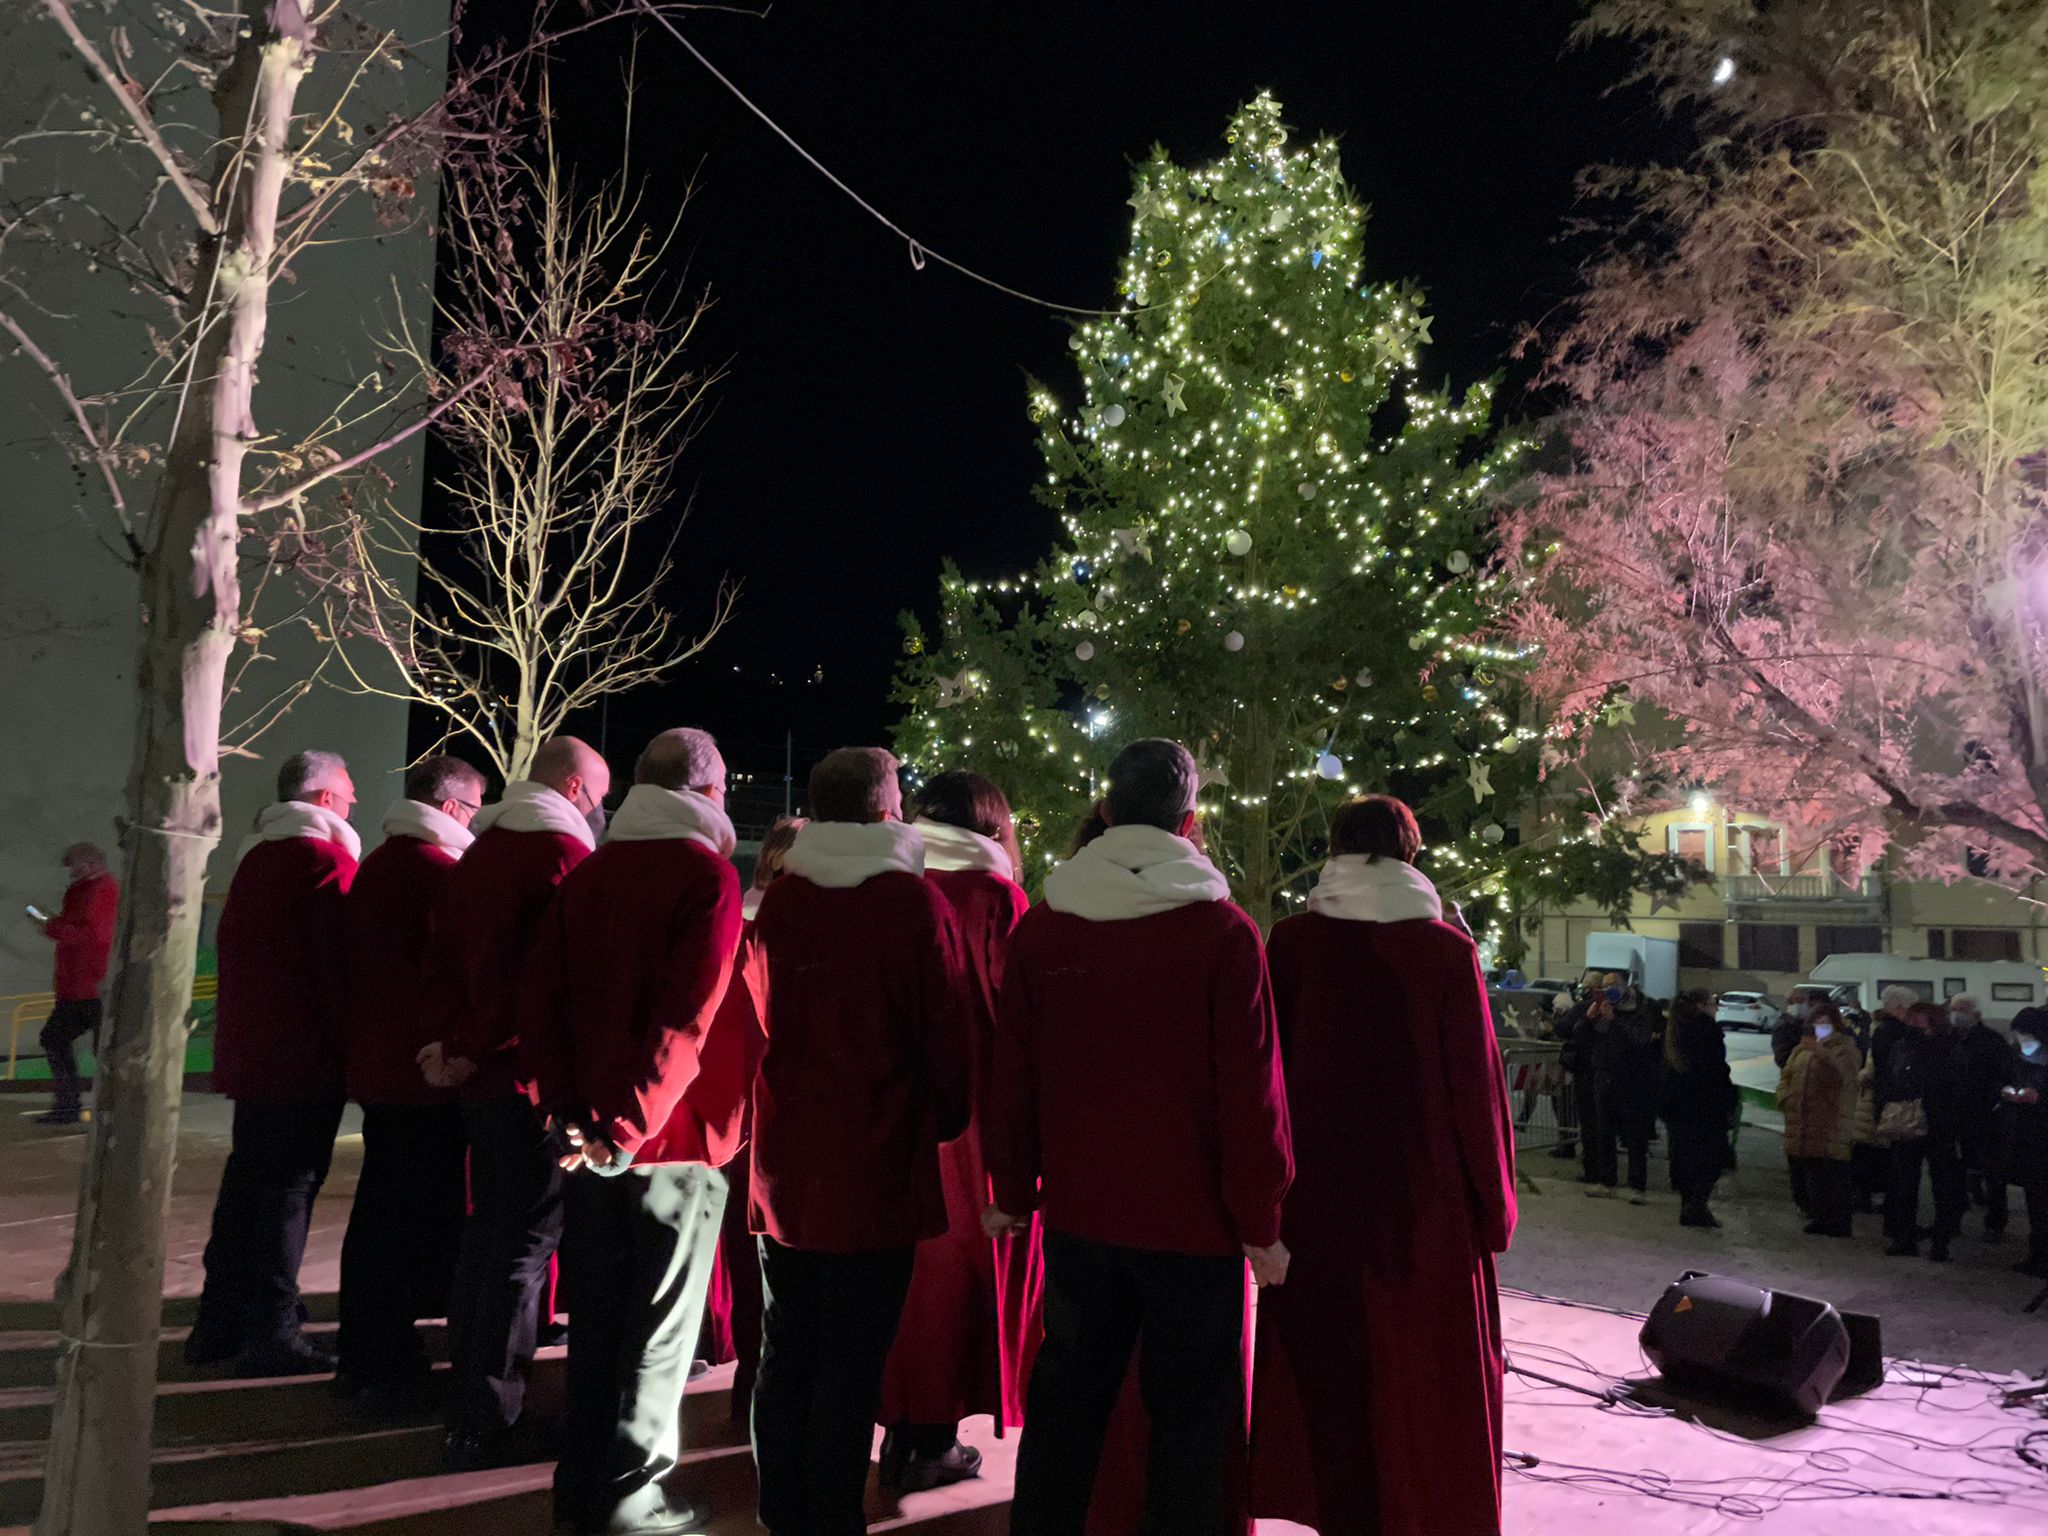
x: 1087, y: 619
x: 1234, y: 641
x: 1307, y: 488
x: 1113, y: 416
x: 1417, y: 642
x: 1075, y: 342
x: 1458, y: 561
x: 1364, y: 679
x: 1085, y: 651
x: 1330, y: 766
x: 1492, y: 832
x: 1238, y: 541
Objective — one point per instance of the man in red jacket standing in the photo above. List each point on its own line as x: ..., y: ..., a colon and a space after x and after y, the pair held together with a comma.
x: 616, y: 1026
x: 867, y: 1071
x: 83, y: 931
x: 490, y: 905
x: 398, y: 1260
x: 1137, y: 1102
x: 277, y: 1052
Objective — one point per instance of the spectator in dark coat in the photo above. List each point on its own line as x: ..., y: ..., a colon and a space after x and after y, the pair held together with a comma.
x: 1698, y: 1096
x: 2021, y: 1130
x: 1920, y: 1098
x: 1986, y: 1058
x: 1616, y: 1052
x: 83, y: 931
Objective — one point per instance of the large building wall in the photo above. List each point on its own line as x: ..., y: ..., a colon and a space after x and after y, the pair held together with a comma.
x: 1812, y: 906
x: 68, y: 608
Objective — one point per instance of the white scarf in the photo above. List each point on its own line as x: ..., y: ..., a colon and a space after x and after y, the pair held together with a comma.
x: 950, y: 847
x: 650, y: 813
x: 527, y: 806
x: 839, y: 854
x: 750, y: 904
x: 1131, y: 871
x: 1383, y: 890
x: 294, y: 818
x: 428, y: 823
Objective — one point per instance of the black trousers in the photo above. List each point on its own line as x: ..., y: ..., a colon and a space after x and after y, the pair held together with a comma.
x: 1184, y: 1314
x: 404, y: 1231
x: 639, y: 1253
x: 515, y: 1223
x: 277, y: 1161
x: 827, y: 1322
x: 1603, y: 1124
x: 69, y: 1023
x: 2036, y: 1196
x: 1944, y: 1165
x: 1830, y: 1193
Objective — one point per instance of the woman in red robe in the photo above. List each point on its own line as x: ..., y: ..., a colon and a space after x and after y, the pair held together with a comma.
x: 960, y: 1349
x: 1377, y: 1390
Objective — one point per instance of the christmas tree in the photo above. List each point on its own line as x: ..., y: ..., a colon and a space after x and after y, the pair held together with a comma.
x: 1274, y: 548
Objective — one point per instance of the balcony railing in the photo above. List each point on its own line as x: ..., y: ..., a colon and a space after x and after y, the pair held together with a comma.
x: 1809, y: 888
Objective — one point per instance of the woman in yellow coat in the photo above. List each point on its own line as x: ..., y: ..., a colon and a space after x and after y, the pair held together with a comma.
x: 1817, y: 1091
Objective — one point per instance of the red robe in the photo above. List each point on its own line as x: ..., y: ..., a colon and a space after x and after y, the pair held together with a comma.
x: 489, y: 907
x: 868, y: 1067
x: 619, y: 1001
x: 277, y: 1034
x: 388, y: 940
x: 732, y: 1306
x: 952, y: 1359
x: 1377, y: 1391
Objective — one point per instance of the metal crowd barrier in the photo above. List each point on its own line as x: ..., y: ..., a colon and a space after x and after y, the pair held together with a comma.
x: 1541, y: 1095
x: 30, y: 1009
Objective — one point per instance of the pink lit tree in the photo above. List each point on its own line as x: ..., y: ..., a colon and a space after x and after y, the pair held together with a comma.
x: 1790, y: 535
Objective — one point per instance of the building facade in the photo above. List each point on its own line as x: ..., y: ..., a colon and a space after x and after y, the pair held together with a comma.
x: 1781, y: 902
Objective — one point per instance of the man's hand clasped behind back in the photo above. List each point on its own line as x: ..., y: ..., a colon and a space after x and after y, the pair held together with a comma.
x: 442, y: 1071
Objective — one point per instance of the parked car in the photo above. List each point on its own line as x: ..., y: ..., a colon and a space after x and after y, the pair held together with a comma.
x: 1747, y: 1010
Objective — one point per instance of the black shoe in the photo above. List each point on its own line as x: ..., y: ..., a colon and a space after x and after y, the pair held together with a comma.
x: 921, y: 1474
x: 203, y: 1354
x: 61, y: 1117
x: 1902, y: 1251
x: 295, y: 1356
x: 889, y: 1465
x: 1698, y: 1216
x: 465, y: 1450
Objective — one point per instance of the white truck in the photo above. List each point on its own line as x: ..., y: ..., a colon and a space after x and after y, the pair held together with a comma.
x: 1651, y: 963
x: 2001, y: 987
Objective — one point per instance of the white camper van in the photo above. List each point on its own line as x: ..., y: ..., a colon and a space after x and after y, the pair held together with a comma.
x: 2002, y: 987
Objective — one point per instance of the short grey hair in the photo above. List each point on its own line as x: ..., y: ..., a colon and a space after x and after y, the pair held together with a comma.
x: 1904, y: 997
x: 303, y: 771
x: 1968, y: 1003
x: 684, y: 758
x: 433, y: 780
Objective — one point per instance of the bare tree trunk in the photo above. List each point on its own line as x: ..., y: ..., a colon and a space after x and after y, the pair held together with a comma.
x: 96, y: 1476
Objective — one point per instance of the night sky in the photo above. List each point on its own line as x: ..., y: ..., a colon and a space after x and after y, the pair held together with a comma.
x: 873, y: 421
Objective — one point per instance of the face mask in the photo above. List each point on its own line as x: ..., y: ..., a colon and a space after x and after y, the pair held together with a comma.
x: 2030, y: 1048
x: 1960, y: 1020
x: 1796, y: 1012
x: 1822, y: 1031
x: 597, y: 818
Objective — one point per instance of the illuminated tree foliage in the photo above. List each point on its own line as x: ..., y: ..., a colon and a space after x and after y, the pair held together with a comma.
x: 1800, y: 517
x: 1274, y: 547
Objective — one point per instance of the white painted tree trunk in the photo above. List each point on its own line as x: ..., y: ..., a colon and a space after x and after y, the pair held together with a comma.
x: 96, y: 1475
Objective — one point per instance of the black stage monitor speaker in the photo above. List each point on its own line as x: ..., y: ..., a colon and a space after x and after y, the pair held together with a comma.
x: 1729, y: 1337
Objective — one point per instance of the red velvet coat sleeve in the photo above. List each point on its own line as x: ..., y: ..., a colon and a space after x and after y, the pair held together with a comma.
x: 634, y: 1100
x: 1009, y: 1137
x: 1251, y: 1096
x: 1482, y: 1122
x: 948, y: 1035
x: 719, y: 1094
